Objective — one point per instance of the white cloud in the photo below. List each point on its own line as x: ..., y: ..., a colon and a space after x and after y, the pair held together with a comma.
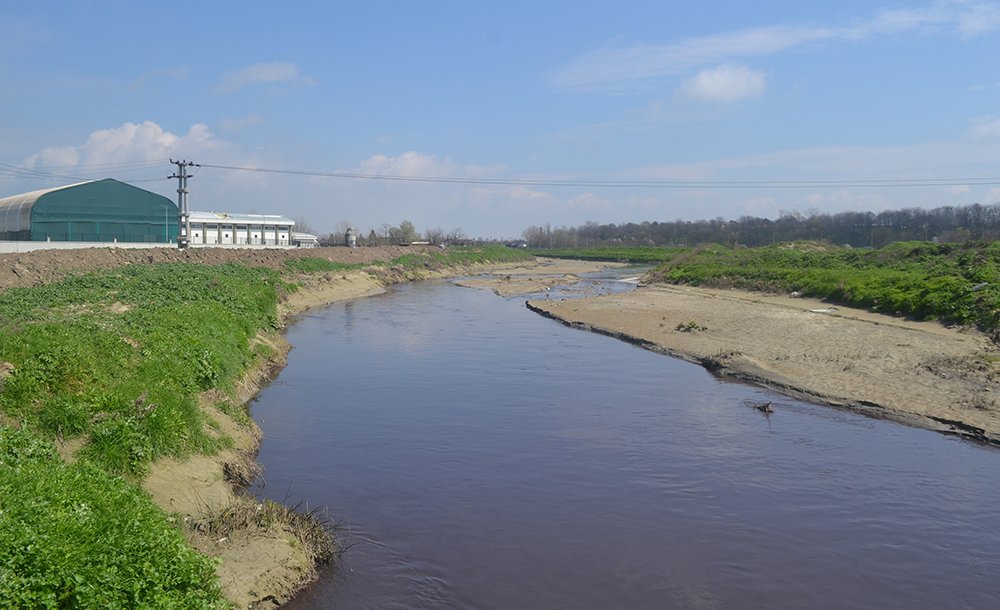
x: 130, y: 142
x: 621, y: 69
x: 618, y: 69
x: 504, y: 194
x: 274, y: 72
x: 988, y: 87
x: 959, y: 189
x: 979, y: 19
x: 54, y: 156
x: 725, y: 83
x: 409, y: 164
x: 985, y: 128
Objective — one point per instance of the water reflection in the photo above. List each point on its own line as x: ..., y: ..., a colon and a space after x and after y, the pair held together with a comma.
x: 485, y: 457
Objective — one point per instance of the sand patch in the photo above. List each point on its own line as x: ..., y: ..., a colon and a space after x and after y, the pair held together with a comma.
x: 919, y: 372
x: 540, y: 276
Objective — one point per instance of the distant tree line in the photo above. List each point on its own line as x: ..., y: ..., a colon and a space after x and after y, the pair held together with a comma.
x: 857, y: 229
x: 403, y: 233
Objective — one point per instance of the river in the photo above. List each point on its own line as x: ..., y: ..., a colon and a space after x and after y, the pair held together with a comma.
x: 483, y: 457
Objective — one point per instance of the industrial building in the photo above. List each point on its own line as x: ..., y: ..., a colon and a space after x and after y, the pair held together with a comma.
x: 223, y: 229
x: 109, y: 211
x: 94, y: 211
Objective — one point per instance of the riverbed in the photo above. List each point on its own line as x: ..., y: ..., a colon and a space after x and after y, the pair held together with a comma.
x: 481, y: 456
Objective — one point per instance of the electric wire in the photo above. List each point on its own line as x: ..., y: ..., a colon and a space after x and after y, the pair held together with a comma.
x: 40, y: 173
x: 611, y: 183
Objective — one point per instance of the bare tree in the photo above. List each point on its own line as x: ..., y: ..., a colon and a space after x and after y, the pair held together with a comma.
x: 302, y: 225
x: 342, y: 226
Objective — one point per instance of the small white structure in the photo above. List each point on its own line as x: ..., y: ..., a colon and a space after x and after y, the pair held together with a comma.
x: 224, y: 229
x: 304, y: 240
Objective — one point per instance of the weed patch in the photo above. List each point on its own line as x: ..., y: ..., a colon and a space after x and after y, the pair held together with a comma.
x: 955, y: 283
x: 73, y: 536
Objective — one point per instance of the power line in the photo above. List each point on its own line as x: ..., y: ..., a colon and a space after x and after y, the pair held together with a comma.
x: 609, y: 183
x: 39, y: 173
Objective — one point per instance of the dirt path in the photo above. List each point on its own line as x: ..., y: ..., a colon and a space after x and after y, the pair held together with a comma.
x: 918, y: 372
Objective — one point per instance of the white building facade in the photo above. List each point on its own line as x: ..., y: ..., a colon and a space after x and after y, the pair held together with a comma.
x: 224, y: 229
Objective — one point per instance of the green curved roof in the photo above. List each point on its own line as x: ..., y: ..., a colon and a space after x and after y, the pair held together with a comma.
x: 15, y: 211
x: 96, y: 210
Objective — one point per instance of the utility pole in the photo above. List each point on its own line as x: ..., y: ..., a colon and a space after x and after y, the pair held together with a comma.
x: 184, y: 213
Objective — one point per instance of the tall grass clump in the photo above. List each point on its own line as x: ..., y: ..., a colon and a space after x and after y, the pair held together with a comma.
x: 955, y: 283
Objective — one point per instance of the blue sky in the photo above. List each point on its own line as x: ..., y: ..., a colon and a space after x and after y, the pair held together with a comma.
x: 710, y: 92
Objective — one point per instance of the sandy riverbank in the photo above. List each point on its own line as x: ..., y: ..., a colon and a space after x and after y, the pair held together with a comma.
x: 540, y: 276
x: 916, y: 372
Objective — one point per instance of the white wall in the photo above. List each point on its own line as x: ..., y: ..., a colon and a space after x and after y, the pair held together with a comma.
x: 9, y: 247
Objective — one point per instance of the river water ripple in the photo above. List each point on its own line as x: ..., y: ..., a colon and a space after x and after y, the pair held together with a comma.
x: 483, y: 457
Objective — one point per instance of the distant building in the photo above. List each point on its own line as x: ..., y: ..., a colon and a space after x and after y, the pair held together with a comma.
x: 304, y: 240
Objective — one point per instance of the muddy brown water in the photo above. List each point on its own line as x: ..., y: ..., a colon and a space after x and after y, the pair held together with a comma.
x: 481, y: 456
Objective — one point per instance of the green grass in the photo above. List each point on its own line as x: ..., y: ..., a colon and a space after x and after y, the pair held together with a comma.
x: 120, y: 356
x: 957, y: 283
x: 625, y: 254
x: 318, y: 265
x: 74, y: 536
x: 116, y: 358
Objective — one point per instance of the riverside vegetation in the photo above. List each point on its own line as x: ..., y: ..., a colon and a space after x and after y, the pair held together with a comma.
x: 115, y: 361
x: 954, y: 283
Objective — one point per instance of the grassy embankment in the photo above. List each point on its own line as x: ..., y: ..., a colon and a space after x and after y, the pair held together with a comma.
x: 954, y: 283
x: 116, y: 360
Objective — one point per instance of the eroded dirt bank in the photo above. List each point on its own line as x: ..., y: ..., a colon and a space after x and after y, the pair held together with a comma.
x: 44, y: 266
x: 918, y: 372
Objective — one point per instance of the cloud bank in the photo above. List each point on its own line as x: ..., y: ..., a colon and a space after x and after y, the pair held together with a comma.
x: 623, y: 69
x: 129, y: 143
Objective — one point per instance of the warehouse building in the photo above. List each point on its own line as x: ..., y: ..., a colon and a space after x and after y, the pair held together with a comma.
x: 224, y: 229
x: 94, y: 211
